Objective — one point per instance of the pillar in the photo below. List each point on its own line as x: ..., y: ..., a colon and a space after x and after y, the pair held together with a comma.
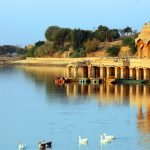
x: 144, y: 74
x: 75, y: 72
x: 131, y: 72
x: 75, y: 89
x: 101, y: 73
x: 68, y: 72
x: 137, y: 73
x: 107, y: 72
x: 116, y: 72
x: 139, y: 53
x: 121, y: 72
x: 89, y: 71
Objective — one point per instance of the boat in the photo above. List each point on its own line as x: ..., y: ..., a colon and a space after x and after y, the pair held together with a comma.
x: 147, y: 82
x: 61, y: 80
x: 128, y: 81
x: 109, y: 80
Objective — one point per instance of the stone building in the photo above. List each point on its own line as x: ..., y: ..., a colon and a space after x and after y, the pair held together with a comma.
x: 143, y: 42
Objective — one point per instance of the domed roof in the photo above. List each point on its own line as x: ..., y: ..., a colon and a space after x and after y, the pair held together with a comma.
x: 145, y: 34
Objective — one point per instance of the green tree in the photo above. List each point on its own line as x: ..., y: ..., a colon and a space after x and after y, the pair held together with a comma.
x: 78, y: 37
x: 39, y: 43
x: 129, y: 41
x: 128, y: 30
x: 91, y: 45
x: 113, y: 34
x: 50, y: 32
x: 113, y: 50
x: 102, y: 33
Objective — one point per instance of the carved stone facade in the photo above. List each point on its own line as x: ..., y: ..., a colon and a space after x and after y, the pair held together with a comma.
x: 143, y: 42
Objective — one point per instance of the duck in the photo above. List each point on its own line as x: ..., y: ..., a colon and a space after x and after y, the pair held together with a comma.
x: 43, y: 145
x: 104, y: 140
x: 83, y: 140
x: 110, y: 137
x: 21, y: 146
x: 48, y: 144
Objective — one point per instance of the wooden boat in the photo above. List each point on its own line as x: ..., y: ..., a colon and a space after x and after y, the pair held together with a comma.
x: 61, y: 80
x: 127, y: 81
x: 109, y: 80
x: 147, y: 82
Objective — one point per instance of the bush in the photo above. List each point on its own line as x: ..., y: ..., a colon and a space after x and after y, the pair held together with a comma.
x: 91, y: 45
x: 79, y: 53
x: 113, y: 50
x: 128, y: 41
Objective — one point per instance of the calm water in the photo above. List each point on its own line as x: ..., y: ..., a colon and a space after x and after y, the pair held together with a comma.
x: 32, y: 108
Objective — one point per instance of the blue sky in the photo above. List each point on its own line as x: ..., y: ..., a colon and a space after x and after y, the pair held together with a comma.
x: 24, y: 22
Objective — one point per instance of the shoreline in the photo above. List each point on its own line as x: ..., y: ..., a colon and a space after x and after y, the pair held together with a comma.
x: 50, y: 61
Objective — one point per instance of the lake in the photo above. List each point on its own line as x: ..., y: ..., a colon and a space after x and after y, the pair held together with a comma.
x: 33, y: 108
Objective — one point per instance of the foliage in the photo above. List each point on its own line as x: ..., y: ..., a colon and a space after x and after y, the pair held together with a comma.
x: 102, y: 33
x: 113, y: 50
x: 39, y: 43
x: 5, y: 49
x: 91, y: 45
x: 50, y: 32
x: 78, y: 53
x: 31, y: 52
x: 128, y: 41
x: 78, y: 37
x: 128, y: 30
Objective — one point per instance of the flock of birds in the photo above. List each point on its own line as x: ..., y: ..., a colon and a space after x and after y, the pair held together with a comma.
x: 104, y: 139
x: 41, y: 145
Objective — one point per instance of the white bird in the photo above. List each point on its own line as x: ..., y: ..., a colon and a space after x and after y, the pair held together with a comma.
x: 21, y: 146
x: 104, y: 140
x: 110, y: 137
x: 83, y: 140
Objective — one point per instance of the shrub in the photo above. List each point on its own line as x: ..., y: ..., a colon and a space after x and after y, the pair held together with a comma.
x: 91, y: 45
x: 79, y: 53
x: 113, y: 50
x: 128, y: 41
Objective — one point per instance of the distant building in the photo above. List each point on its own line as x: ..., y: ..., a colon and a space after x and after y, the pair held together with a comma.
x: 143, y: 42
x: 29, y: 46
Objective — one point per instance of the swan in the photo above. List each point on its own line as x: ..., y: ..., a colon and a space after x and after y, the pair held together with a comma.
x: 104, y: 140
x: 83, y: 140
x: 21, y: 146
x: 110, y: 137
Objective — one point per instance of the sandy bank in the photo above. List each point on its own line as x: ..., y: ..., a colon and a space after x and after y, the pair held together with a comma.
x: 51, y: 61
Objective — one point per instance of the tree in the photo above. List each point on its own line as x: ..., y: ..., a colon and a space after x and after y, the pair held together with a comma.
x: 39, y: 43
x: 91, y: 45
x: 128, y: 30
x: 129, y: 41
x: 78, y: 37
x: 113, y: 50
x: 102, y: 33
x: 50, y: 32
x: 113, y: 34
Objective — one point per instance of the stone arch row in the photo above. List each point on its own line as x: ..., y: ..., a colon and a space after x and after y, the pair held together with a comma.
x: 103, y: 72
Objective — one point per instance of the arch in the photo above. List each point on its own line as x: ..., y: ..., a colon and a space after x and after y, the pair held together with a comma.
x: 84, y: 71
x: 148, y: 45
x: 104, y: 72
x: 134, y: 73
x: 140, y: 43
x: 111, y: 72
x: 126, y: 72
x: 141, y: 73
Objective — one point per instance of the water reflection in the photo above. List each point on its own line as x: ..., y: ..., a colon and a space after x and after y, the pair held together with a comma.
x: 133, y: 95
